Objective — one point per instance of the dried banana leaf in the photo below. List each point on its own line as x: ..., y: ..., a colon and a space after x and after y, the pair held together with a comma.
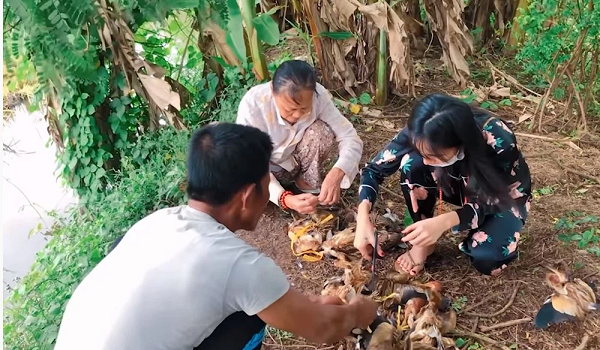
x: 453, y: 35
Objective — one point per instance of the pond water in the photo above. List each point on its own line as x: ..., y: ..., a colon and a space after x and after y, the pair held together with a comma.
x: 30, y: 189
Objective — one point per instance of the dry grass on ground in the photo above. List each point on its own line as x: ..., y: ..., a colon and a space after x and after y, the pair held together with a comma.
x: 558, y: 193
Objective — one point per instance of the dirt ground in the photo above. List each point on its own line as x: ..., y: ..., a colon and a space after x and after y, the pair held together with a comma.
x: 558, y: 193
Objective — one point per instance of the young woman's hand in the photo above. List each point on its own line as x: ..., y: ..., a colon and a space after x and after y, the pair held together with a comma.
x: 364, y: 240
x: 304, y: 203
x: 426, y: 232
x: 330, y: 189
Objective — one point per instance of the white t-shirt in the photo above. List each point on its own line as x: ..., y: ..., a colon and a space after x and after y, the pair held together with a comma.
x: 175, y: 276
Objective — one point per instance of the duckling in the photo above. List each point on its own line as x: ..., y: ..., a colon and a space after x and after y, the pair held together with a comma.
x: 431, y: 323
x: 572, y: 299
x: 407, y: 291
x: 382, y: 336
x: 335, y: 286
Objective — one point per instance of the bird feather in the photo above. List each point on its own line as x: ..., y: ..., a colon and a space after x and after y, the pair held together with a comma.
x: 548, y: 315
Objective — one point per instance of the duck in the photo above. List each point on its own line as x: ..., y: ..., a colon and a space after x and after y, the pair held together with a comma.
x: 572, y: 299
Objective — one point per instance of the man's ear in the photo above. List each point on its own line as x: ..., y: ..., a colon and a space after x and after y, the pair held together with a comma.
x: 246, y: 193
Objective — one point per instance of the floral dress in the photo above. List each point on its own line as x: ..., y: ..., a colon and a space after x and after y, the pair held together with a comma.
x: 493, y: 234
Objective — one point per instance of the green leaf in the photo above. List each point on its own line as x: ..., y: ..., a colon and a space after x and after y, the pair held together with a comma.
x: 564, y: 238
x: 235, y: 33
x: 53, y: 15
x: 72, y: 164
x: 123, y: 134
x: 46, y: 5
x: 587, y: 235
x: 91, y: 109
x: 120, y: 111
x: 505, y: 102
x: 115, y: 102
x: 576, y: 237
x: 337, y: 35
x: 183, y: 4
x: 266, y: 29
x: 84, y: 95
x: 100, y: 172
x: 469, y: 99
x: 95, y: 257
x: 221, y: 62
x: 460, y: 342
x: 49, y: 334
x: 364, y: 98
x: 594, y: 250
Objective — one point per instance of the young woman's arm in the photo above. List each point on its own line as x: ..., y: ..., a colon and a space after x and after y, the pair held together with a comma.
x: 385, y: 163
x: 514, y: 171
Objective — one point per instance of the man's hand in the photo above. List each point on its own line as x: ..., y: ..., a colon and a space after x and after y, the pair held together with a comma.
x: 326, y: 299
x: 305, y: 203
x: 365, y: 311
x: 330, y: 189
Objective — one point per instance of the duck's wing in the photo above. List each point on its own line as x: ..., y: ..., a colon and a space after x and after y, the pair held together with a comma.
x: 554, y: 310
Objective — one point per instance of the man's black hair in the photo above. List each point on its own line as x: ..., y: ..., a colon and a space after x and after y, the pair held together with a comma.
x: 225, y: 157
x: 294, y: 76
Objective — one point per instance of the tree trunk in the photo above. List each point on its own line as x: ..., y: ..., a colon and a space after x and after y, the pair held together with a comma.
x: 256, y: 51
x: 516, y: 35
x: 381, y: 92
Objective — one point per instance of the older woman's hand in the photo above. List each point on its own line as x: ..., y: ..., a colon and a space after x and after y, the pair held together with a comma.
x: 304, y: 203
x: 330, y: 189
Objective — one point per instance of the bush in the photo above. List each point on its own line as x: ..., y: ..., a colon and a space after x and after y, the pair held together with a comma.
x: 552, y: 29
x: 151, y: 181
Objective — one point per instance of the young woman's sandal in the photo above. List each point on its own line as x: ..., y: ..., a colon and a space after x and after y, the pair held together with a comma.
x: 414, y: 268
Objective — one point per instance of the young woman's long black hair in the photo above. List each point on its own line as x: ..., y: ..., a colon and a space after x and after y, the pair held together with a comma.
x: 440, y: 122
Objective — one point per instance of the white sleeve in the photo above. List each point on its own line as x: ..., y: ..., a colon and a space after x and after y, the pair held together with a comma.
x: 255, y: 282
x: 244, y: 111
x: 275, y: 189
x: 349, y: 144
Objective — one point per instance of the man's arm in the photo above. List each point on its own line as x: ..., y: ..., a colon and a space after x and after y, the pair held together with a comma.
x: 319, y: 320
x: 258, y: 286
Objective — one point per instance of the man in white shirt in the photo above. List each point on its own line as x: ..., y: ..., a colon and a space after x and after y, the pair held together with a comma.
x: 307, y: 131
x: 181, y: 279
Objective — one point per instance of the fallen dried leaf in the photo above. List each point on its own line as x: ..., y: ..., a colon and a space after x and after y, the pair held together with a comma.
x: 524, y: 117
x: 500, y: 92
